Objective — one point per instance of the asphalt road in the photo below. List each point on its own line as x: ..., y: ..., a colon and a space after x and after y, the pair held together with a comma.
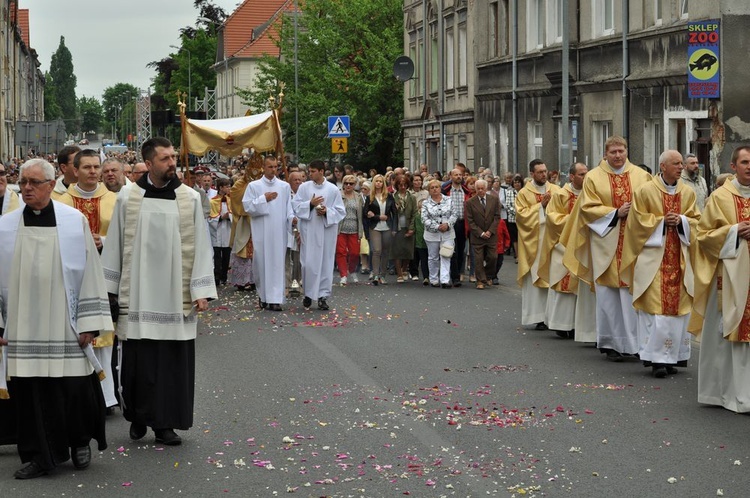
x: 408, y: 390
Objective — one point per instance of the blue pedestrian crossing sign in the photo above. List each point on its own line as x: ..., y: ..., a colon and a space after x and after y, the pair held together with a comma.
x: 338, y: 127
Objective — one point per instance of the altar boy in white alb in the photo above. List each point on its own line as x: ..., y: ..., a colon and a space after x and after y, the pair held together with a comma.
x: 158, y: 261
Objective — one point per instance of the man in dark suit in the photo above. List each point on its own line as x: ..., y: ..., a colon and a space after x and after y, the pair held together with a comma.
x: 483, y: 215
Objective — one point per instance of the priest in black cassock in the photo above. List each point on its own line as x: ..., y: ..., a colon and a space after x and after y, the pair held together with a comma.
x: 54, y: 302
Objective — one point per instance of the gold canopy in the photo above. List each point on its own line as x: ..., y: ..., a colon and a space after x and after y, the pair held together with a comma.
x: 229, y: 136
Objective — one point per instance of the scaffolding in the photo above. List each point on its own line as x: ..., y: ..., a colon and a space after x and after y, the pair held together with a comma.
x: 208, y: 105
x: 143, y: 120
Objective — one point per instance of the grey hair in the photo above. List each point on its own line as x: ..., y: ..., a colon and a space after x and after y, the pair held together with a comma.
x: 689, y: 155
x: 116, y: 161
x: 484, y: 182
x: 47, y: 168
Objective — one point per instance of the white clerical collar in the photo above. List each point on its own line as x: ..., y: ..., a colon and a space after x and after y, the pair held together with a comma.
x: 618, y: 171
x: 542, y: 189
x: 269, y: 181
x: 743, y: 190
x: 576, y: 191
x: 85, y: 194
x: 670, y: 188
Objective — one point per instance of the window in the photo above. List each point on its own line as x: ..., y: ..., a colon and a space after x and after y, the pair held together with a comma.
x: 554, y: 21
x: 683, y: 9
x: 604, y: 17
x: 462, y: 149
x: 433, y: 57
x: 449, y: 59
x: 421, y: 68
x: 494, y: 31
x: 600, y: 132
x: 413, y: 156
x: 658, y: 143
x: 534, y: 24
x: 414, y: 82
x: 462, y: 54
x: 657, y: 13
x: 536, y: 140
x: 449, y: 154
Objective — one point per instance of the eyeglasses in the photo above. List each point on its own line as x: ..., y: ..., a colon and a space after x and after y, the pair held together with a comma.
x: 348, y: 183
x: 3, y: 173
x: 30, y: 181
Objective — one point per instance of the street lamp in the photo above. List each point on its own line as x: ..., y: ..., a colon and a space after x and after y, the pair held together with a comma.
x: 226, y: 66
x: 190, y: 73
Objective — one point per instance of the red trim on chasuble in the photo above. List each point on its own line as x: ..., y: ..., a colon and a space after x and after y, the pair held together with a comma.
x: 621, y: 193
x: 565, y: 282
x: 743, y: 214
x: 90, y: 209
x: 671, y: 272
x: 539, y: 198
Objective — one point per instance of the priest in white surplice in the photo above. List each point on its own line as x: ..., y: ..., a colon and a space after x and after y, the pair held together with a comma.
x: 656, y: 262
x: 54, y: 302
x: 158, y: 261
x: 9, y: 200
x: 268, y: 201
x: 319, y: 208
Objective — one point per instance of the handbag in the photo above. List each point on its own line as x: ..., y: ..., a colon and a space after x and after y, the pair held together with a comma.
x: 364, y: 246
x: 446, y: 250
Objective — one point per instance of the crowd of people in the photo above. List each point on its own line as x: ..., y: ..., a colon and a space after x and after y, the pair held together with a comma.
x: 629, y: 261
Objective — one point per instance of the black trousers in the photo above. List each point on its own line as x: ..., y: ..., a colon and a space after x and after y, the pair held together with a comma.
x: 459, y: 258
x: 221, y: 263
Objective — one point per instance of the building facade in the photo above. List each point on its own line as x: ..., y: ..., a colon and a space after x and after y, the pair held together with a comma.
x: 22, y: 96
x: 439, y: 102
x: 627, y: 73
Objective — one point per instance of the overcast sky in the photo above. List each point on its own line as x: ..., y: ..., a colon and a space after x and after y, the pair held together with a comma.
x: 111, y: 42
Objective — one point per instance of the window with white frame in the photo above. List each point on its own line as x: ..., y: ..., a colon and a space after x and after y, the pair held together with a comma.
x: 600, y: 132
x: 449, y: 59
x: 433, y: 57
x: 683, y: 9
x: 494, y: 31
x: 554, y: 13
x: 462, y: 149
x: 414, y: 81
x: 462, y: 50
x: 604, y: 17
x: 534, y: 24
x: 536, y: 140
x: 657, y: 13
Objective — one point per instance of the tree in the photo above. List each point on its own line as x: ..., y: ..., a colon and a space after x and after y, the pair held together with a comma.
x: 51, y: 108
x: 194, y: 61
x: 91, y: 113
x: 114, y: 100
x: 345, y: 60
x: 64, y: 81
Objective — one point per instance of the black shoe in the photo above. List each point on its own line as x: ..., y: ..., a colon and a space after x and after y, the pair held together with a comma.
x: 167, y: 437
x: 456, y: 283
x: 435, y: 285
x: 375, y: 281
x: 562, y: 334
x: 262, y: 304
x: 613, y: 355
x: 30, y: 471
x: 659, y: 371
x: 571, y: 334
x: 322, y: 304
x: 137, y: 431
x: 446, y: 286
x: 110, y: 411
x: 671, y: 370
x: 307, y: 302
x: 274, y: 307
x: 81, y: 457
x: 540, y: 326
x: 495, y: 281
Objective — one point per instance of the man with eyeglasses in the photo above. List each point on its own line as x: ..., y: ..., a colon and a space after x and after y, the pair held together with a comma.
x: 9, y: 200
x: 65, y: 162
x: 53, y: 370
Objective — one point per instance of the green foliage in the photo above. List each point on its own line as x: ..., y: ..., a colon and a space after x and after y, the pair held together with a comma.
x: 115, y: 101
x: 91, y: 113
x: 64, y: 87
x: 194, y: 63
x: 51, y: 108
x: 345, y: 52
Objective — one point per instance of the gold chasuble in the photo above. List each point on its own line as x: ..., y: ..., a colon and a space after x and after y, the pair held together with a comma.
x: 591, y: 257
x: 240, y: 240
x: 97, y: 209
x: 728, y: 272
x: 551, y: 269
x: 98, y: 212
x: 655, y: 263
x: 529, y: 224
